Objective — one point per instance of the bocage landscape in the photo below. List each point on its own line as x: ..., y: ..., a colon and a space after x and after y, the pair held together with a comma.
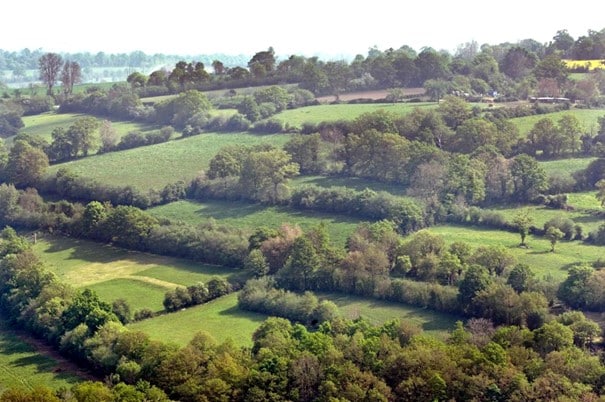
x: 404, y: 225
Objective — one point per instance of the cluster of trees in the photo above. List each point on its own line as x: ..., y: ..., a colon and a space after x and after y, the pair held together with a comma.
x: 198, y: 293
x: 262, y: 295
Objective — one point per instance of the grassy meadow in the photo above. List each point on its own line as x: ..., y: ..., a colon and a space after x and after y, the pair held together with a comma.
x: 154, y: 166
x: 21, y: 366
x: 141, y: 279
x: 537, y: 255
x: 42, y: 125
x: 251, y: 216
x: 353, y: 183
x: 221, y: 318
x: 587, y: 117
x: 565, y: 167
x: 318, y: 113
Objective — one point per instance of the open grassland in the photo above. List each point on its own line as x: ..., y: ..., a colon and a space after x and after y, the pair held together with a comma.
x: 584, y: 200
x: 42, y: 125
x: 251, y: 216
x: 317, y: 114
x: 378, y: 312
x: 221, y: 318
x: 142, y: 279
x: 21, y: 366
x: 565, y: 167
x: 353, y: 183
x: 587, y: 117
x: 537, y: 255
x: 155, y: 166
x: 541, y: 214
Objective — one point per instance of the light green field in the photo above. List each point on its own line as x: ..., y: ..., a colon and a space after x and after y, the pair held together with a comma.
x: 251, y: 216
x: 140, y: 278
x: 537, y: 255
x: 378, y: 312
x: 42, y: 125
x: 541, y: 214
x: 221, y: 318
x: 587, y: 117
x: 584, y: 200
x: 353, y: 183
x: 319, y: 113
x: 155, y: 166
x: 21, y: 366
x: 565, y: 167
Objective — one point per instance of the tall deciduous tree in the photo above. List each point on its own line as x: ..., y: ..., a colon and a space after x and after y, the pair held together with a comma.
x: 70, y: 75
x: 26, y: 164
x: 50, y: 67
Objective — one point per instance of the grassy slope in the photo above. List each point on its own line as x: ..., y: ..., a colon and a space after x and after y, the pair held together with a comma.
x: 565, y: 167
x: 22, y: 367
x: 140, y: 278
x: 224, y: 320
x: 157, y: 165
x: 42, y: 125
x: 250, y: 216
x: 354, y: 183
x: 319, y: 113
x: 537, y: 256
x: 588, y: 118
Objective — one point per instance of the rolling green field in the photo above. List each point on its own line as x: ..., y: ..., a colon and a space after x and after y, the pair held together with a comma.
x: 587, y: 117
x: 42, y: 125
x: 378, y: 312
x: 140, y: 278
x: 565, y: 167
x: 541, y: 214
x: 250, y: 216
x: 221, y: 318
x: 353, y: 183
x: 21, y: 366
x: 319, y: 113
x: 155, y: 166
x: 537, y: 255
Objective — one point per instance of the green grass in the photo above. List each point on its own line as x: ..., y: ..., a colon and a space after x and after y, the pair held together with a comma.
x: 138, y: 294
x: 584, y: 200
x: 250, y: 216
x: 221, y: 318
x: 319, y: 113
x: 541, y: 214
x: 353, y: 183
x: 140, y: 278
x: 587, y: 117
x: 537, y: 255
x: 378, y: 312
x: 154, y: 166
x: 21, y: 366
x: 42, y: 125
x: 565, y: 167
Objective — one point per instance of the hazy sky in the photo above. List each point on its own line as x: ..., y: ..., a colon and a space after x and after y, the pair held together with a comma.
x: 292, y: 27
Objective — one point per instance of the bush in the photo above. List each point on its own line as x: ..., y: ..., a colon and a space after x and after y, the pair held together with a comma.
x: 270, y: 126
x: 565, y: 225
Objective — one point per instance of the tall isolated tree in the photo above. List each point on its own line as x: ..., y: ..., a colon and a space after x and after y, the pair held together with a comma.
x: 70, y: 75
x: 50, y: 65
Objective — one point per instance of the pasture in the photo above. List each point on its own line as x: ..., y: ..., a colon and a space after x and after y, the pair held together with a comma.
x: 378, y: 311
x: 221, y: 318
x: 541, y: 214
x: 587, y: 117
x: 565, y: 167
x: 354, y: 183
x: 317, y: 114
x: 22, y: 366
x: 154, y: 166
x: 141, y: 279
x: 42, y: 125
x: 251, y: 216
x: 537, y: 255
